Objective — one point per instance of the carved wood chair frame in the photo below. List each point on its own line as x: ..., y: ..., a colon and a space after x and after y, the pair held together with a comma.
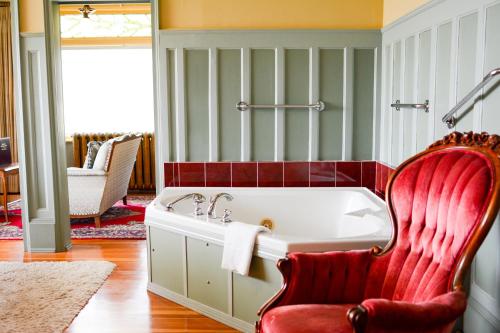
x: 483, y: 143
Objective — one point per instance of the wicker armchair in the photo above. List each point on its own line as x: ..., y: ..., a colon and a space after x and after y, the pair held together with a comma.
x: 92, y: 192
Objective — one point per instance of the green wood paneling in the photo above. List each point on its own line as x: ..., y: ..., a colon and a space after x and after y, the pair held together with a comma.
x: 443, y: 69
x: 196, y: 67
x: 396, y: 94
x: 263, y: 282
x: 486, y: 273
x: 491, y: 115
x: 424, y: 73
x: 467, y: 39
x: 229, y: 67
x: 262, y: 81
x: 167, y: 259
x: 296, y: 92
x: 409, y: 88
x: 363, y: 104
x: 475, y: 321
x: 207, y: 281
x: 262, y: 92
x: 386, y: 110
x: 331, y: 86
x: 171, y: 102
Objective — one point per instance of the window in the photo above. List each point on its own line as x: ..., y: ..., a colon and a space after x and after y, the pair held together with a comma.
x: 107, y: 69
x: 108, y: 90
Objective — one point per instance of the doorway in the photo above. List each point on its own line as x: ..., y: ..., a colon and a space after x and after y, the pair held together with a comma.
x: 107, y: 83
x: 45, y: 218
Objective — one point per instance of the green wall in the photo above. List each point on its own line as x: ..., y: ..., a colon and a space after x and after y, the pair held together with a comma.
x: 291, y: 66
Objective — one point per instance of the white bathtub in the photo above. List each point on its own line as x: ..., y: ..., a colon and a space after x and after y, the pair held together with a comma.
x: 304, y: 219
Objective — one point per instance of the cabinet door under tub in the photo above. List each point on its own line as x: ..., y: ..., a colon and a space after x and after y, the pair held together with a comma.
x: 167, y: 259
x: 207, y: 281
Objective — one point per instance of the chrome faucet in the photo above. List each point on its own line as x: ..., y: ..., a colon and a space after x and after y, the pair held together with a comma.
x: 226, y: 217
x: 213, y: 202
x: 197, y: 199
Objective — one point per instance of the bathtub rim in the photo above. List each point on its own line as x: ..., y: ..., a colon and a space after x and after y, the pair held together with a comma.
x: 266, y: 246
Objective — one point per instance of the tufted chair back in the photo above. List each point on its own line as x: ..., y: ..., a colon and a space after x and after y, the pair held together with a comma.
x: 441, y: 205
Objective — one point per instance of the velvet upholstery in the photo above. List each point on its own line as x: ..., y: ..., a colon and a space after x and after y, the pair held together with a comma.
x: 325, y: 318
x: 436, y: 201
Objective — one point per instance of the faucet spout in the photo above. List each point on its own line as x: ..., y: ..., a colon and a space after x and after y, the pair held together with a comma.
x: 197, y: 197
x: 213, y: 203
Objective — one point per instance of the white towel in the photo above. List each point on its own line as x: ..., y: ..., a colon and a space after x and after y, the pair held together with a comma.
x: 239, y: 241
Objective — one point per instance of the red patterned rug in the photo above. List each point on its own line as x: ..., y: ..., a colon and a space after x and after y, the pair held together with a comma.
x: 118, y: 222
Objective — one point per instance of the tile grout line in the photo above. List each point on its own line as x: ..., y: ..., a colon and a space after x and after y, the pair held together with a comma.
x: 205, y: 172
x: 283, y: 167
x: 361, y: 163
x: 179, y: 173
x: 231, y: 173
x: 309, y: 174
x: 335, y: 174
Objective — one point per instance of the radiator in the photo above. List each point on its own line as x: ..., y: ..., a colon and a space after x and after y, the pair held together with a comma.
x: 143, y: 175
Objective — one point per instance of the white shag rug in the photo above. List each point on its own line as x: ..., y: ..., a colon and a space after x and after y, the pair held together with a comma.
x: 45, y: 297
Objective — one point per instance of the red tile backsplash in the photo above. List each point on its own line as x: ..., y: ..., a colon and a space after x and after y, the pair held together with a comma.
x: 218, y: 174
x: 296, y: 174
x: 383, y: 173
x: 370, y: 174
x: 270, y: 174
x: 348, y: 174
x: 192, y: 174
x: 322, y: 174
x: 169, y: 174
x: 244, y: 174
x: 377, y: 176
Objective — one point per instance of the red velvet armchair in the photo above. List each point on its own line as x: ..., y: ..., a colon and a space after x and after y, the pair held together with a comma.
x: 442, y: 203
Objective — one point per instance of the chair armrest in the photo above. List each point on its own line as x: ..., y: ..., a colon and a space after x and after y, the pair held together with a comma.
x: 85, y: 172
x: 321, y: 278
x: 385, y: 315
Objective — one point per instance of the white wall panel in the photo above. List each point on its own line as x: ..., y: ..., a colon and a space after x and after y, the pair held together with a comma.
x: 466, y: 67
x: 45, y: 226
x: 300, y: 67
x: 423, y: 89
x: 458, y: 42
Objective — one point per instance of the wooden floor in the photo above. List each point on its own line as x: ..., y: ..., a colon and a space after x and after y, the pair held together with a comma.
x: 123, y: 304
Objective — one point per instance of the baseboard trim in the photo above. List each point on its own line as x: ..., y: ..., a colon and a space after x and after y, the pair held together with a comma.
x: 202, y: 308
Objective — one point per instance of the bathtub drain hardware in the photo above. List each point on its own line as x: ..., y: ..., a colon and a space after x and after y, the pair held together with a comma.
x: 267, y: 223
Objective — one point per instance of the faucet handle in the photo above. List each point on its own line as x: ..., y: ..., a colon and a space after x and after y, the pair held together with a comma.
x: 225, y: 218
x: 198, y: 197
x: 197, y: 208
x: 197, y: 200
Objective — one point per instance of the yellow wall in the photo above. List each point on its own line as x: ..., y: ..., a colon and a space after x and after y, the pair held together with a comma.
x: 259, y: 14
x: 394, y: 9
x: 31, y: 16
x: 271, y: 14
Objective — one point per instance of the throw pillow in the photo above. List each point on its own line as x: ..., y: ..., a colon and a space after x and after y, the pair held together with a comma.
x: 92, y: 149
x: 103, y: 155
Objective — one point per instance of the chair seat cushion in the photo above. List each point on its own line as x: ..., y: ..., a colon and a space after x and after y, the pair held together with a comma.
x: 307, y: 318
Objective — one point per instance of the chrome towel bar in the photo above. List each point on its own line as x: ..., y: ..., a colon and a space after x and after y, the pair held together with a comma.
x: 449, y: 118
x: 244, y: 106
x: 398, y: 105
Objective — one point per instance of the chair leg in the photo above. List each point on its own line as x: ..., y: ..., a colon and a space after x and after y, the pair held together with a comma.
x: 5, y: 195
x: 124, y: 199
x: 97, y: 221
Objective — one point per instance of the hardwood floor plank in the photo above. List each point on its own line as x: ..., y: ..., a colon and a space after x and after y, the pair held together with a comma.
x: 123, y: 304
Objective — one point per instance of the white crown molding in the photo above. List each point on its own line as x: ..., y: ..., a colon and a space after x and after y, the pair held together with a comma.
x: 411, y: 14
